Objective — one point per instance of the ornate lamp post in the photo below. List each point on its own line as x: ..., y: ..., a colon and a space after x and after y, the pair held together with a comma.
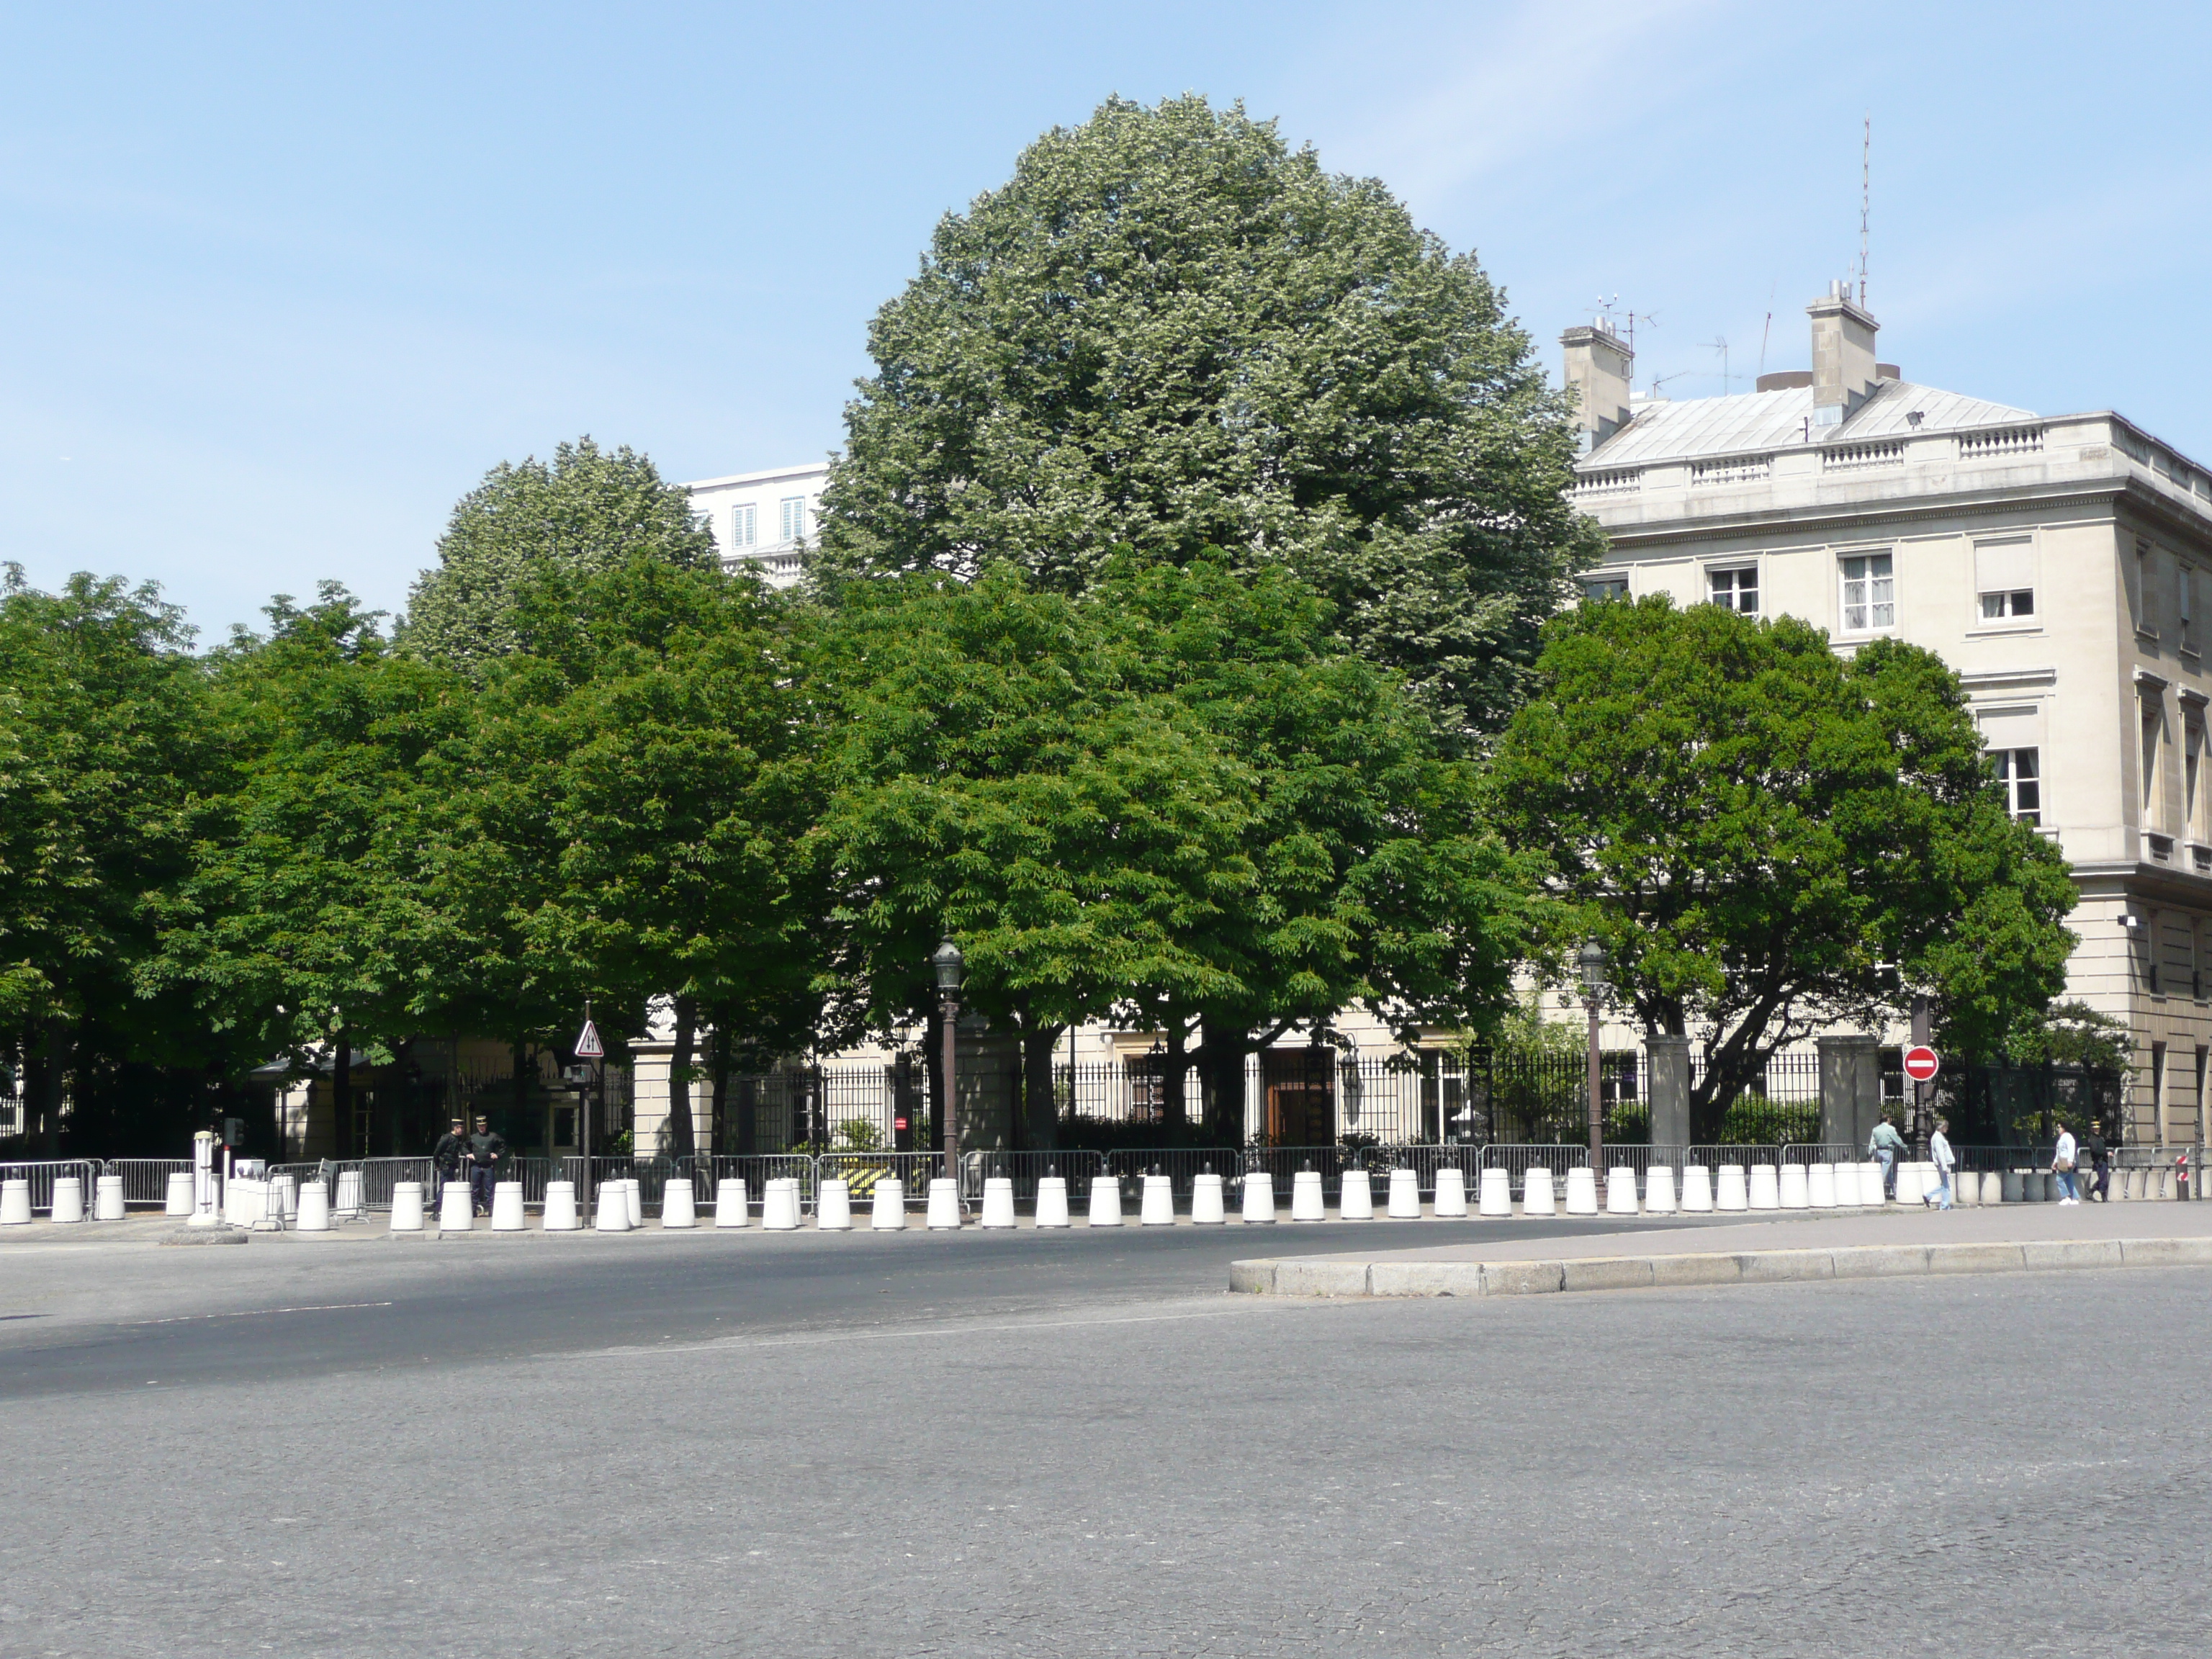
x: 950, y: 965
x: 1591, y: 959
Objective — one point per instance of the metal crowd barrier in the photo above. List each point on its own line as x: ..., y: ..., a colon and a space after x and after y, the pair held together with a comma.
x: 1182, y: 1165
x: 146, y: 1180
x: 43, y: 1174
x: 1817, y: 1152
x: 758, y: 1170
x: 1517, y: 1159
x: 1747, y: 1154
x: 1026, y: 1169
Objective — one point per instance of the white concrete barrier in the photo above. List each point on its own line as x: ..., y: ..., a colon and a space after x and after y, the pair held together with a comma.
x: 1909, y: 1179
x: 942, y: 1214
x: 107, y: 1198
x: 1404, y: 1202
x: 833, y: 1206
x: 1451, y: 1194
x: 1734, y: 1193
x: 733, y: 1204
x: 1581, y: 1191
x: 345, y: 1203
x: 1306, y: 1203
x: 2012, y: 1186
x: 998, y: 1202
x: 15, y: 1203
x: 1764, y: 1188
x: 1258, y: 1206
x: 68, y: 1199
x: 1620, y: 1191
x: 1697, y: 1190
x: 636, y: 1201
x: 1207, y: 1208
x: 561, y: 1207
x: 1051, y: 1201
x: 1105, y: 1200
x: 1992, y: 1187
x: 1355, y: 1201
x: 1659, y: 1190
x: 780, y: 1205
x: 1537, y: 1197
x: 1844, y: 1179
x: 456, y: 1209
x: 1156, y: 1208
x: 179, y: 1201
x: 679, y: 1203
x: 1820, y: 1186
x: 2039, y: 1187
x: 1871, y: 1191
x: 507, y: 1216
x: 284, y: 1197
x: 613, y: 1215
x: 314, y: 1207
x: 887, y: 1212
x: 407, y: 1207
x: 1493, y: 1193
x: 1791, y: 1186
x: 1965, y: 1187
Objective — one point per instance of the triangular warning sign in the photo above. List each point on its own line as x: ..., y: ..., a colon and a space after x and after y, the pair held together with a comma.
x: 588, y: 1046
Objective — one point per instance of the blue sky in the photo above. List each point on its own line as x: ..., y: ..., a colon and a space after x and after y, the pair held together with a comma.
x: 281, y: 283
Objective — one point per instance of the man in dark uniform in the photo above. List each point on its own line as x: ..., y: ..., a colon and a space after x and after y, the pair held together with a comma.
x: 2100, y: 1162
x: 452, y: 1154
x: 486, y: 1153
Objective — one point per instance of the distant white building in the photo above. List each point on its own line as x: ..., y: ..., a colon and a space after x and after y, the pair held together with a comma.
x: 766, y: 518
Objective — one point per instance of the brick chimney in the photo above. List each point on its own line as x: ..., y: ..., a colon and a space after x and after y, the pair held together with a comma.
x: 1844, y: 372
x: 1598, y: 371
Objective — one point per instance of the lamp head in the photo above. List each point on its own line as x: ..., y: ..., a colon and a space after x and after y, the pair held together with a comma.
x: 950, y: 964
x: 1591, y: 960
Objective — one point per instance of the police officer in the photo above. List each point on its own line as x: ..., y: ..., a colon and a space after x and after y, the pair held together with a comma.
x: 452, y: 1154
x: 486, y: 1150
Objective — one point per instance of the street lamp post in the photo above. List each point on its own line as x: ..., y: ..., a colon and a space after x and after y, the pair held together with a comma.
x: 950, y: 965
x: 1591, y: 959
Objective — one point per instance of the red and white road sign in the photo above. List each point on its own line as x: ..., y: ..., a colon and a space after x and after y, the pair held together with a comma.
x: 1920, y: 1062
x: 588, y: 1046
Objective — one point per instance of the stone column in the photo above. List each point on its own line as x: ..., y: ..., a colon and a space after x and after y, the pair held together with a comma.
x: 1667, y: 1062
x: 1850, y: 1090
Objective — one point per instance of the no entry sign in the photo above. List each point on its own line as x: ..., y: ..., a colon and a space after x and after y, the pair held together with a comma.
x: 1920, y: 1062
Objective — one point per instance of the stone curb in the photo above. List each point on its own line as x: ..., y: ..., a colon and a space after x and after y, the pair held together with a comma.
x: 1323, y: 1276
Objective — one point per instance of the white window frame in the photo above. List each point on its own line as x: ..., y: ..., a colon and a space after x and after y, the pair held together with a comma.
x: 2032, y: 813
x: 1606, y: 587
x: 2007, y: 610
x: 791, y: 520
x: 1873, y: 624
x: 745, y: 526
x: 1735, y: 569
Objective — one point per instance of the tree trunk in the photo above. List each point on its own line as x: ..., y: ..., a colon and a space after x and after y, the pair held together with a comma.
x: 518, y: 1071
x: 1174, y: 1120
x: 1041, y: 1110
x: 52, y: 1078
x: 679, y: 1079
x: 717, y: 1129
x: 342, y: 1095
x: 1222, y: 1049
x: 933, y: 1057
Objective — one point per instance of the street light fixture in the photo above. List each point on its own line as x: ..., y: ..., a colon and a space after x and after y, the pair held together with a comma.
x: 951, y: 967
x: 1591, y: 959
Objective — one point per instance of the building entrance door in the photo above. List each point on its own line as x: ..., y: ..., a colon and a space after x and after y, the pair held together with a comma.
x: 1300, y: 1092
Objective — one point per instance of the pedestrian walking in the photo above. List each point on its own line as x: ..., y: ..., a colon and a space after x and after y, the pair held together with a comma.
x: 1940, y: 1154
x: 449, y: 1159
x: 2061, y: 1165
x: 1887, y: 1146
x: 486, y: 1150
x: 2101, y: 1165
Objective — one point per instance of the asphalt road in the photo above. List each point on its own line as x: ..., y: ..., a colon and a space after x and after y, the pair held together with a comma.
x: 1004, y: 1447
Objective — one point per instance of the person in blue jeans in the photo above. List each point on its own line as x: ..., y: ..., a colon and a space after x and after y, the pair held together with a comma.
x: 2062, y: 1166
x: 1887, y: 1147
x: 487, y: 1162
x: 1940, y: 1155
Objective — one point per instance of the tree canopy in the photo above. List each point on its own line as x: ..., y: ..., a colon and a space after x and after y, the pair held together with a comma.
x: 1169, y: 332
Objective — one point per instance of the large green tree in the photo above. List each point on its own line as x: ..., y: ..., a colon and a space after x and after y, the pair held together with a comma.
x: 1771, y: 839
x: 1170, y: 333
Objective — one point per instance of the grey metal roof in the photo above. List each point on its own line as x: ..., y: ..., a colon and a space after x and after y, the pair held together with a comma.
x: 1663, y: 430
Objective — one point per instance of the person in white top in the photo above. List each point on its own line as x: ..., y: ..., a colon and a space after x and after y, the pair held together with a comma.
x: 1940, y: 1154
x: 2061, y: 1165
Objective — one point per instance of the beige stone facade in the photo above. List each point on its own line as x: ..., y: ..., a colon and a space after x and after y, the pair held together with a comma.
x: 2062, y: 565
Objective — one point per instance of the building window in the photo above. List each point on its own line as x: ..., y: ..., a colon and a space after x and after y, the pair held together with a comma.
x: 2018, y: 772
x: 791, y: 521
x: 1734, y: 589
x: 2185, y: 609
x: 1869, y: 594
x: 2154, y: 729
x: 2192, y: 759
x: 1605, y: 587
x: 2004, y: 578
x: 744, y: 526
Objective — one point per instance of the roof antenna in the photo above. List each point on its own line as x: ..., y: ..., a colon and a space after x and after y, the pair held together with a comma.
x: 1866, y: 197
x: 1769, y: 328
x: 1719, y: 343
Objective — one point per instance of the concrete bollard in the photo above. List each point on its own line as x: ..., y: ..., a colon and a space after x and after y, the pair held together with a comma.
x: 780, y: 1205
x: 1581, y: 1191
x: 1156, y: 1207
x: 679, y: 1203
x: 314, y: 1208
x: 507, y: 1216
x: 732, y: 1205
x: 407, y: 1207
x: 346, y: 1203
x: 284, y: 1197
x: 1791, y: 1188
x: 1620, y: 1191
x: 1259, y: 1207
x: 1911, y: 1178
x: 1207, y: 1208
x: 107, y: 1198
x: 2011, y: 1187
x: 1820, y: 1186
x: 1697, y: 1190
x: 1051, y: 1201
x: 1404, y: 1201
x: 1844, y: 1179
x: 1965, y: 1187
x: 2041, y: 1188
x: 1305, y: 1197
x: 613, y: 1215
x: 1451, y: 1194
x: 180, y: 1199
x: 887, y: 1212
x: 941, y: 1214
x: 1992, y: 1186
x: 1763, y: 1190
x: 1105, y: 1200
x: 1493, y: 1193
x: 561, y: 1207
x: 833, y: 1204
x: 1355, y: 1200
x: 998, y: 1202
x: 1537, y: 1197
x: 456, y: 1210
x: 15, y: 1203
x: 1734, y: 1193
x: 68, y: 1199
x: 1659, y: 1190
x: 636, y: 1201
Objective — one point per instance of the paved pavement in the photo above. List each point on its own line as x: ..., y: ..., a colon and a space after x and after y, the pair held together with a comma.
x: 997, y: 1446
